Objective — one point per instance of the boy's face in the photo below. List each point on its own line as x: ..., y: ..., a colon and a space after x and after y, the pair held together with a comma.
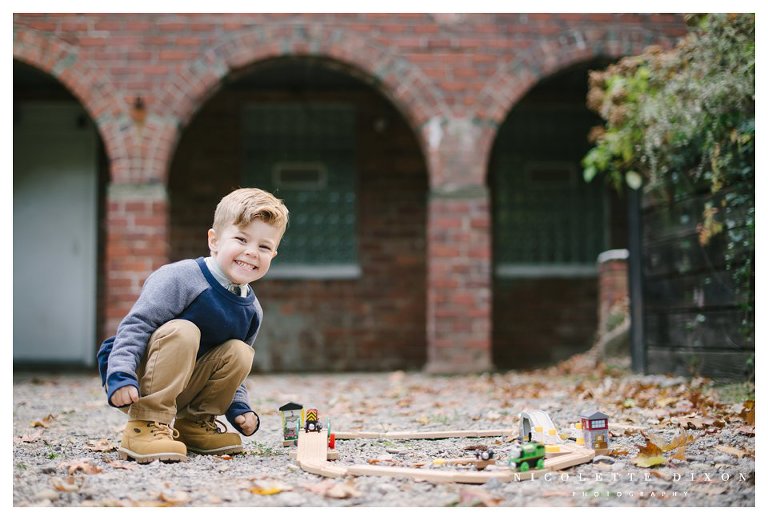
x: 245, y: 253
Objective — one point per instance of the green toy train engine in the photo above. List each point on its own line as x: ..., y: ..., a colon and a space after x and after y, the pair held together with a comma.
x: 527, y: 455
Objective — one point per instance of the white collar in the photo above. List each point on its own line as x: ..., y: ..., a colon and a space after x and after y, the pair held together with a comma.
x: 220, y: 277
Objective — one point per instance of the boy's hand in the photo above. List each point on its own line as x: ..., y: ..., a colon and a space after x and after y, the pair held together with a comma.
x: 248, y: 422
x: 125, y: 395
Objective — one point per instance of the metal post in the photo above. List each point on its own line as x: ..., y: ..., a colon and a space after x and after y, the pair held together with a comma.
x: 637, y: 326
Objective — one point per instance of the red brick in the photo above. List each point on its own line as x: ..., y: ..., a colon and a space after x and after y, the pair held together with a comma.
x: 119, y: 56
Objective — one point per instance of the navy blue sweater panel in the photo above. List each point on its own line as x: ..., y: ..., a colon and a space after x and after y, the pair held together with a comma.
x: 220, y: 315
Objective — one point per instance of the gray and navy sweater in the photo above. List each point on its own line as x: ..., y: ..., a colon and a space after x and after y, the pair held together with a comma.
x: 182, y: 290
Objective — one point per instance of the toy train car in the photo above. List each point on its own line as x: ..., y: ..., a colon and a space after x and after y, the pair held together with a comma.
x: 312, y: 423
x: 527, y: 455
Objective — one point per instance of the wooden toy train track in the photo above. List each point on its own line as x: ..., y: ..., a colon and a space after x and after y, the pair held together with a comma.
x: 312, y: 456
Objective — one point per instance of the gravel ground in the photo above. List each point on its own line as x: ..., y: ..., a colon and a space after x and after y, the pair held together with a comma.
x: 65, y: 437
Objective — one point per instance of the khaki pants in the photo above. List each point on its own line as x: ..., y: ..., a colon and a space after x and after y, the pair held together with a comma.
x: 172, y: 382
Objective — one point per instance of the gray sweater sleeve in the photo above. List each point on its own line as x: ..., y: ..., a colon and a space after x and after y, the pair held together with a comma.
x: 166, y: 293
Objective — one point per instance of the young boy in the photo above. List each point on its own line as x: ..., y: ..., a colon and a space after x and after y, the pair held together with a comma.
x: 184, y: 350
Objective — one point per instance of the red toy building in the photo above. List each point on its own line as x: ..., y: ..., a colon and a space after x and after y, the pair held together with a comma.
x: 594, y: 426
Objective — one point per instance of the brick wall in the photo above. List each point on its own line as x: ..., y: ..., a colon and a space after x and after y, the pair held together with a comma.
x: 452, y: 78
x: 376, y: 321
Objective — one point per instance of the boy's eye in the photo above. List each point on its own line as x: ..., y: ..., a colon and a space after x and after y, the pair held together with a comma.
x: 240, y: 239
x: 266, y: 248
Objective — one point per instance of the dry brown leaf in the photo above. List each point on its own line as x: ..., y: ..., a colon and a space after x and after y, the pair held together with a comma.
x: 748, y: 412
x: 45, y: 422
x: 648, y: 461
x: 343, y: 490
x: 332, y: 489
x: 101, y: 445
x: 660, y: 474
x: 32, y: 437
x: 83, y: 465
x: 681, y: 441
x: 732, y: 451
x: 679, y: 453
x: 472, y: 496
x: 119, y: 464
x: 649, y: 455
x: 67, y: 484
x: 268, y: 487
x: 618, y: 452
x: 746, y: 430
x: 651, y: 448
x: 666, y: 401
x: 711, y: 490
x: 149, y: 503
x: 173, y: 498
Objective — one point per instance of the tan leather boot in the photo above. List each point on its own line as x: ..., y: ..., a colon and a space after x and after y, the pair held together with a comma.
x: 147, y: 441
x: 202, y: 434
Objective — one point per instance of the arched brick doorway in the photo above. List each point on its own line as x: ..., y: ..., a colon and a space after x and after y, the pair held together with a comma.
x: 350, y: 293
x: 549, y: 225
x: 59, y: 177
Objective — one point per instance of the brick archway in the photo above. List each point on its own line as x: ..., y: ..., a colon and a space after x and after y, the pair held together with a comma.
x: 518, y: 76
x: 89, y: 85
x: 394, y: 77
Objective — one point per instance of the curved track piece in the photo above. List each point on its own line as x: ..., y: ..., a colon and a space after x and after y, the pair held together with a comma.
x: 312, y: 455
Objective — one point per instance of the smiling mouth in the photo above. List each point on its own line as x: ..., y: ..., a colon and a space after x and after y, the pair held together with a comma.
x: 245, y: 265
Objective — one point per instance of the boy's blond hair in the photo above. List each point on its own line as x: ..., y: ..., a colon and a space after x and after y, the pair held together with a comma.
x: 243, y: 206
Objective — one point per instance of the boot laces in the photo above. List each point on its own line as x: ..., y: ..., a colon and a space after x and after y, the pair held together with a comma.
x: 211, y: 424
x: 163, y: 430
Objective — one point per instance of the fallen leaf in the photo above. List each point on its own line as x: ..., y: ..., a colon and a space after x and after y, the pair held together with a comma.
x: 679, y: 453
x: 710, y: 490
x: 649, y: 455
x: 732, y: 451
x: 172, y: 498
x: 67, y: 484
x: 644, y: 461
x: 665, y: 401
x: 268, y: 487
x: 682, y: 440
x: 32, y: 437
x: 746, y: 430
x: 119, y: 464
x: 618, y: 452
x: 332, y: 489
x: 345, y: 490
x: 45, y: 422
x: 651, y: 449
x: 471, y: 496
x: 660, y: 474
x: 101, y: 445
x: 83, y: 465
x: 748, y: 413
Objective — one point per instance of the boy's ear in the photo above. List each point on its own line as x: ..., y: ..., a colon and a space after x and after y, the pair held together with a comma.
x: 213, y: 241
